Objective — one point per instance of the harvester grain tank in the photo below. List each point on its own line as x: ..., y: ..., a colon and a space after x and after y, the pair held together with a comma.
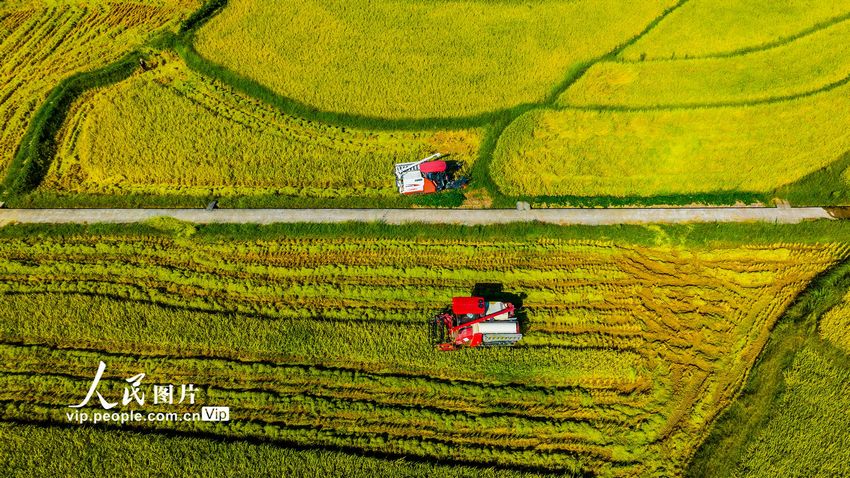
x: 475, y: 322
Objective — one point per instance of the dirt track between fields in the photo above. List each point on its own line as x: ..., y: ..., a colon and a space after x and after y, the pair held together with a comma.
x: 429, y: 216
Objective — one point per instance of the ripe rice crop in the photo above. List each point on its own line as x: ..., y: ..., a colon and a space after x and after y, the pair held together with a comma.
x: 834, y: 326
x: 804, y: 65
x: 790, y: 419
x: 807, y: 433
x: 717, y: 27
x: 111, y: 145
x: 630, y: 350
x: 42, y: 43
x: 431, y: 59
x: 674, y: 151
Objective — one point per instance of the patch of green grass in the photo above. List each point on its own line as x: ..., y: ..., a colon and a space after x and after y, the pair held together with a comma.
x: 826, y: 186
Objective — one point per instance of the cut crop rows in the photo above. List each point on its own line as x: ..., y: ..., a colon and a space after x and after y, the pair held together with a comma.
x: 630, y: 351
x: 42, y: 43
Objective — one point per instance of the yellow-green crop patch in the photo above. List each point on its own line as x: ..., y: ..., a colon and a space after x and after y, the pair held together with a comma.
x: 574, y: 152
x: 43, y: 42
x: 716, y: 27
x: 630, y: 350
x: 430, y: 59
x: 834, y: 326
x: 807, y: 64
x: 172, y: 131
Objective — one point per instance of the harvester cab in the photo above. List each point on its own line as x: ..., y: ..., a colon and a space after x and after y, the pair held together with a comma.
x: 475, y: 322
x: 425, y: 176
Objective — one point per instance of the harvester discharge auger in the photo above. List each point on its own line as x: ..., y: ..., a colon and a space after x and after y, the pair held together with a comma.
x: 474, y: 322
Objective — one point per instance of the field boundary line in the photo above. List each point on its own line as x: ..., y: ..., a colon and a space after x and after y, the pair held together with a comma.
x: 38, y: 146
x: 185, y: 48
x: 818, y: 27
x: 694, y: 106
x: 502, y: 122
x: 36, y: 150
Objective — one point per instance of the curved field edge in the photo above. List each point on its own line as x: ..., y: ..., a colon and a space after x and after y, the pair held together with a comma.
x: 647, y: 153
x: 814, y: 194
x: 348, y: 69
x: 802, y: 67
x: 185, y: 46
x: 38, y: 145
x: 495, y: 123
x: 251, y: 148
x: 52, y: 52
x: 736, y: 429
x: 743, y: 51
x: 717, y: 28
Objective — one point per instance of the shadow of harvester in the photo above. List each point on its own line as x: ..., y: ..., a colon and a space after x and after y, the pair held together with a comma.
x: 495, y: 292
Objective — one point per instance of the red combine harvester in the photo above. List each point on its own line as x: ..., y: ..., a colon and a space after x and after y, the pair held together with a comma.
x: 474, y: 322
x: 429, y: 175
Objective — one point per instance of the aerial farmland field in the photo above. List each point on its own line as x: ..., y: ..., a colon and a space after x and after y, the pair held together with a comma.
x: 556, y: 103
x: 424, y: 238
x: 632, y: 346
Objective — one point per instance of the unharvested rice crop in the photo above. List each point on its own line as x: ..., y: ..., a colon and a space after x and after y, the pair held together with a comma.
x: 630, y: 350
x: 574, y: 152
x: 431, y: 59
x: 703, y: 28
x: 834, y: 326
x: 170, y: 130
x: 807, y: 433
x: 42, y: 43
x: 804, y: 65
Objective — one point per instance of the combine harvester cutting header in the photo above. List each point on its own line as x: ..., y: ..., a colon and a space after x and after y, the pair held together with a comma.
x: 474, y: 322
x: 429, y: 175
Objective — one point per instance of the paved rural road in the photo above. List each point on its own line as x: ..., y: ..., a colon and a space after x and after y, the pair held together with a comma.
x: 431, y: 216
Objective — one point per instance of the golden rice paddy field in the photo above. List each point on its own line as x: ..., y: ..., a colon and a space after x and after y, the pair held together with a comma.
x: 631, y: 350
x: 43, y: 42
x: 812, y: 62
x: 756, y: 110
x: 677, y: 151
x: 142, y: 136
x: 430, y: 60
x: 708, y: 120
x: 705, y: 28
